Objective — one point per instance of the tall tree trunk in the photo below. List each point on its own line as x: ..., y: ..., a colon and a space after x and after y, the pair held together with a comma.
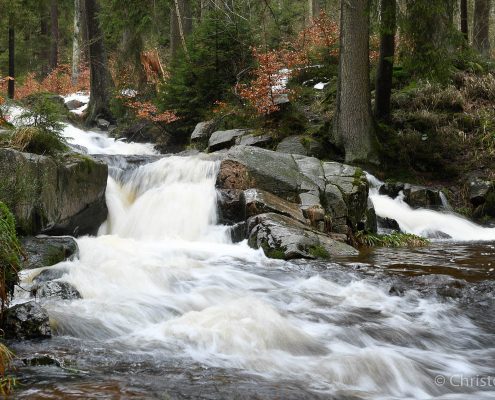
x: 481, y: 24
x: 314, y: 8
x: 180, y: 24
x: 464, y: 19
x: 76, y: 42
x: 54, y: 34
x: 44, y: 38
x: 11, y: 83
x: 388, y: 26
x: 101, y: 83
x: 353, y: 124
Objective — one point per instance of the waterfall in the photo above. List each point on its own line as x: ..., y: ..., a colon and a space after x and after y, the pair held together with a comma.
x: 163, y: 280
x: 423, y: 222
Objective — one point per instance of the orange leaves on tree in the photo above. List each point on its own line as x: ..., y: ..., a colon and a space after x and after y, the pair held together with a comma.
x: 148, y: 111
x: 58, y: 81
x: 275, y: 67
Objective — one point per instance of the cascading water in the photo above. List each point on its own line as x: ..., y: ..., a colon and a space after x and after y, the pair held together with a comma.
x: 162, y: 283
x: 424, y: 222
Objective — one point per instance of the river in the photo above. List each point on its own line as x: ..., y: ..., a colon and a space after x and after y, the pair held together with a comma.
x: 171, y: 308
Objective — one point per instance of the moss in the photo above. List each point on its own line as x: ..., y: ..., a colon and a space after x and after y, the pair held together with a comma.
x: 319, y: 252
x: 270, y: 252
x: 395, y: 239
x: 10, y: 251
x: 87, y: 162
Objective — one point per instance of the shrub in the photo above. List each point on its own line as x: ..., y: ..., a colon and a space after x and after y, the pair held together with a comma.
x: 38, y: 141
x: 44, y: 111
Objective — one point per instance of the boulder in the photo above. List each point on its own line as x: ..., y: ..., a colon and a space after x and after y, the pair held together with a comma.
x: 292, y: 145
x: 479, y: 190
x: 27, y: 321
x: 254, y: 140
x: 285, y: 238
x: 50, y: 274
x: 415, y: 196
x: 74, y: 104
x: 231, y: 206
x: 44, y: 251
x: 102, y: 124
x: 351, y: 182
x: 340, y: 190
x: 423, y: 197
x: 224, y: 139
x: 259, y: 201
x: 202, y: 133
x: 388, y: 225
x: 55, y: 289
x: 63, y: 196
x: 238, y: 232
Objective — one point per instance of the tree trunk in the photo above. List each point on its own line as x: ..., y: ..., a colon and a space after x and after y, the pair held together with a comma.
x: 464, y: 19
x: 481, y: 24
x: 101, y: 83
x: 54, y: 34
x: 353, y: 124
x: 11, y: 83
x: 180, y: 24
x: 76, y: 42
x: 388, y: 26
x: 314, y: 8
x: 44, y: 39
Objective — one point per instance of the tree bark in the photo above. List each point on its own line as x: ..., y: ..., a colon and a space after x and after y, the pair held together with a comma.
x: 54, y: 34
x: 384, y: 74
x: 464, y: 19
x: 353, y: 123
x: 180, y: 24
x: 11, y: 83
x: 76, y: 42
x: 44, y: 38
x: 481, y: 24
x: 101, y: 83
x: 314, y: 8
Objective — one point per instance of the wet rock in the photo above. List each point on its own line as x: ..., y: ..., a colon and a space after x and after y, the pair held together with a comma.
x: 260, y: 202
x: 284, y: 238
x: 55, y: 289
x: 27, y: 321
x: 292, y: 145
x: 44, y: 251
x: 388, y: 225
x: 238, y: 232
x: 74, y: 104
x: 102, y: 124
x: 42, y: 360
x: 50, y: 274
x: 391, y: 189
x: 231, y: 206
x: 63, y: 196
x: 353, y: 185
x: 479, y: 190
x: 369, y: 223
x: 422, y: 197
x: 224, y: 139
x: 202, y: 133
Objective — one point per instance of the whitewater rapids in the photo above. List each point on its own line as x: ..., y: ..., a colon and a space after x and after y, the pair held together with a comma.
x: 163, y: 279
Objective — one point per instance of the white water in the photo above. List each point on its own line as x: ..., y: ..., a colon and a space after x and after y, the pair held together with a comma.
x: 93, y: 142
x: 162, y: 278
x: 425, y: 222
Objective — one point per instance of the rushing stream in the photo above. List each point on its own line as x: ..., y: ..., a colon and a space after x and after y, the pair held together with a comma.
x: 172, y: 309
